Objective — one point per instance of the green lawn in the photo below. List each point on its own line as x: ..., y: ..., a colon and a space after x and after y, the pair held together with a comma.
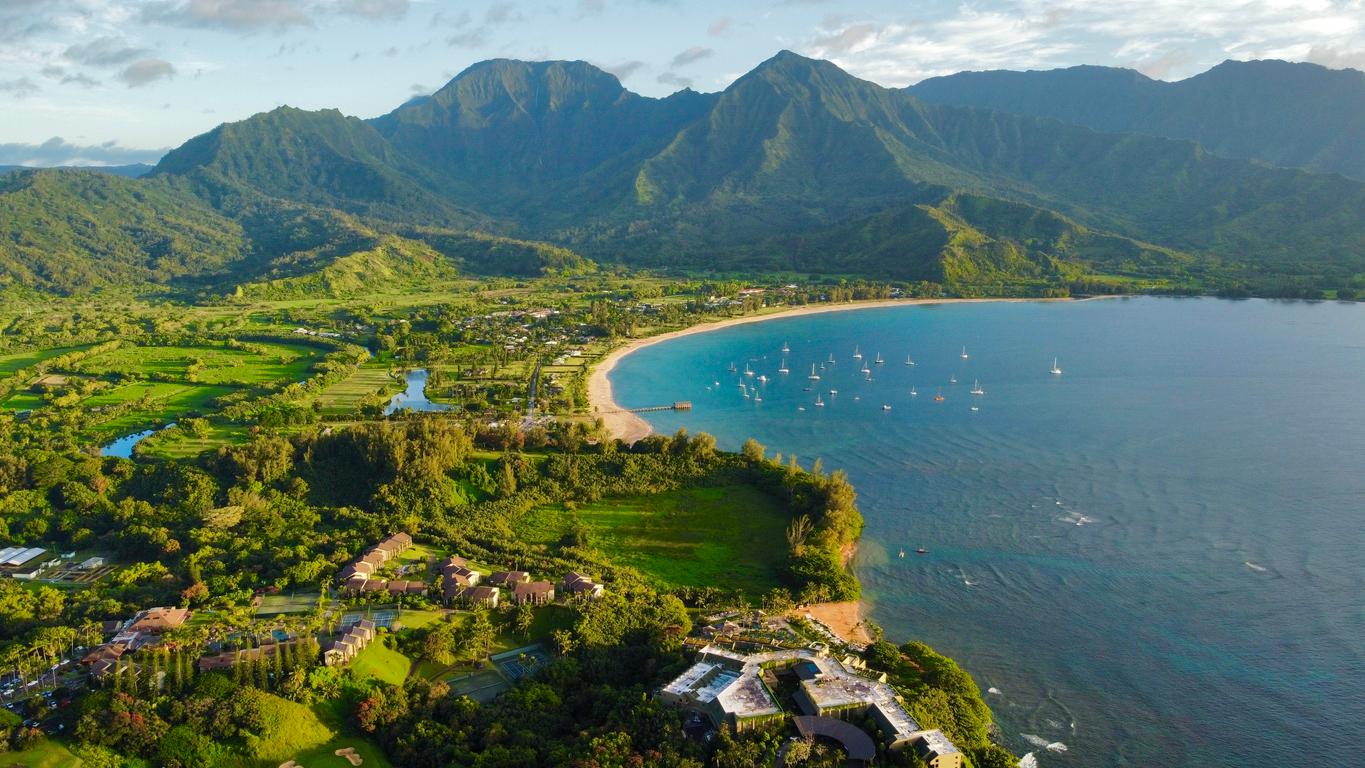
x: 220, y: 365
x: 166, y: 401
x: 175, y: 444
x: 381, y: 662
x: 731, y: 537
x: 346, y: 395
x: 310, y: 735
x: 24, y: 400
x: 13, y: 362
x: 48, y: 754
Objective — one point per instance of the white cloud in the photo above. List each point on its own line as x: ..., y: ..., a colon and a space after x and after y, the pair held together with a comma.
x: 146, y: 71
x: 57, y: 151
x: 388, y: 10
x: 691, y: 55
x: 230, y: 15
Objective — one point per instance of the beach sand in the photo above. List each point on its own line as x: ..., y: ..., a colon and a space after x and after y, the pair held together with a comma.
x: 844, y: 619
x: 629, y: 427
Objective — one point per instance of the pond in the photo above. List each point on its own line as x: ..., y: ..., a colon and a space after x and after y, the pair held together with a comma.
x: 123, y: 447
x: 414, y: 398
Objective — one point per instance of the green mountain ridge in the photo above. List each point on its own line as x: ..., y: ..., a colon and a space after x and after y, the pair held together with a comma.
x: 527, y: 167
x: 1295, y: 115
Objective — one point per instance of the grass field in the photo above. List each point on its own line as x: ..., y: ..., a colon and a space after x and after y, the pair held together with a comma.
x: 306, y: 734
x: 13, y: 362
x: 23, y: 401
x: 346, y: 395
x: 175, y: 444
x: 165, y: 401
x: 48, y: 754
x: 382, y: 663
x: 219, y: 365
x: 731, y: 536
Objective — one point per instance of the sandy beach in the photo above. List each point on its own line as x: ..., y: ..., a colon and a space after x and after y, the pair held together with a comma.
x: 844, y: 619
x: 629, y: 427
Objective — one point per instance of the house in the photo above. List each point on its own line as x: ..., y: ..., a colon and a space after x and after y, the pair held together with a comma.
x: 455, y: 560
x: 936, y: 750
x: 343, y: 649
x: 157, y: 620
x: 374, y: 585
x: 578, y: 584
x: 461, y: 575
x: 398, y: 587
x: 355, y: 585
x: 478, y: 596
x: 508, y: 578
x: 231, y: 658
x: 533, y: 592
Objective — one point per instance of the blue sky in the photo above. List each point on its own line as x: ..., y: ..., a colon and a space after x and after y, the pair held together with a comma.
x: 114, y: 81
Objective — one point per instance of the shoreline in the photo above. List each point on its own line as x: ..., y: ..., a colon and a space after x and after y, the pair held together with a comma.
x: 630, y: 427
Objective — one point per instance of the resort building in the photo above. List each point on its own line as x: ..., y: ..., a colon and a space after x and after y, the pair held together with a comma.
x: 533, y: 592
x: 344, y: 648
x: 577, y: 584
x: 729, y: 688
x: 508, y: 578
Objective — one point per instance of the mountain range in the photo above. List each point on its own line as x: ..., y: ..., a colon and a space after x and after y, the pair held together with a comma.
x: 527, y: 167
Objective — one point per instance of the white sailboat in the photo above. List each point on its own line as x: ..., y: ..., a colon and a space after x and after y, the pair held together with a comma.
x: 879, y: 359
x: 784, y: 370
x: 886, y: 407
x: 748, y: 371
x: 913, y: 393
x: 976, y: 388
x: 909, y: 361
x: 964, y: 353
x: 833, y: 392
x: 763, y: 379
x: 1055, y: 370
x: 952, y: 379
x: 785, y: 348
x: 831, y: 359
x: 818, y: 402
x: 813, y: 375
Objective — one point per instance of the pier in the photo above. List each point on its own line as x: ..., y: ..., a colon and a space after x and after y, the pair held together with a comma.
x: 681, y: 405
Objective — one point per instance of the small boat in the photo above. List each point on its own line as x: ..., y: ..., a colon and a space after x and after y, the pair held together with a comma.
x: 909, y: 361
x: 856, y: 398
x: 902, y: 553
x: 818, y: 402
x: 747, y: 370
x: 746, y: 394
x: 976, y: 388
x: 759, y: 399
x: 733, y: 368
x: 784, y: 370
x: 886, y: 407
x: 921, y: 551
x: 785, y: 348
x: 913, y: 393
x: 974, y: 409
x: 964, y: 353
x: 856, y: 354
x: 879, y: 360
x: 866, y: 369
x: 715, y: 383
x: 831, y: 359
x: 1055, y: 370
x: 800, y: 407
x: 763, y: 379
x: 952, y: 379
x: 813, y: 375
x: 805, y: 389
x: 834, y: 392
x: 938, y: 397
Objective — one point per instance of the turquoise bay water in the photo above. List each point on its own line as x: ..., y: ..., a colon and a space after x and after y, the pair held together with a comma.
x: 1156, y: 558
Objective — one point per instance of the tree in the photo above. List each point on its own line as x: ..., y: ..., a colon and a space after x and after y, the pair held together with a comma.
x: 525, y: 619
x: 753, y: 450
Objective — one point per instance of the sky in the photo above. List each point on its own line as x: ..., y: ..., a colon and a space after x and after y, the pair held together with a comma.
x: 119, y: 81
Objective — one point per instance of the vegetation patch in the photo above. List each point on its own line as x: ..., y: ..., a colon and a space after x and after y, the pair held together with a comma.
x: 727, y: 536
x: 381, y: 662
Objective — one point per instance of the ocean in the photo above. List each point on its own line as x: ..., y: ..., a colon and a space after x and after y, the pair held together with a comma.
x: 1154, y: 558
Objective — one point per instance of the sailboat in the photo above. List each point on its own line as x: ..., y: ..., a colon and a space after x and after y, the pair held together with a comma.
x: 831, y: 359
x: 856, y: 354
x: 902, y: 553
x: 879, y: 359
x: 886, y: 407
x: 763, y: 378
x: 833, y: 392
x: 747, y: 370
x: 976, y: 388
x: 938, y: 396
x: 913, y: 393
x: 964, y: 353
x: 784, y: 370
x: 813, y: 375
x: 1055, y: 370
x: 952, y: 379
x: 908, y: 361
x: 818, y: 402
x: 785, y: 348
x: 758, y: 398
x: 733, y: 368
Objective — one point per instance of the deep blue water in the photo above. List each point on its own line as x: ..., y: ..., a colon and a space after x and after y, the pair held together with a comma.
x: 1156, y: 558
x: 123, y: 446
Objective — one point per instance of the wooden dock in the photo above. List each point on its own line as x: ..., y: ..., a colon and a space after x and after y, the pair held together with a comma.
x: 681, y: 405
